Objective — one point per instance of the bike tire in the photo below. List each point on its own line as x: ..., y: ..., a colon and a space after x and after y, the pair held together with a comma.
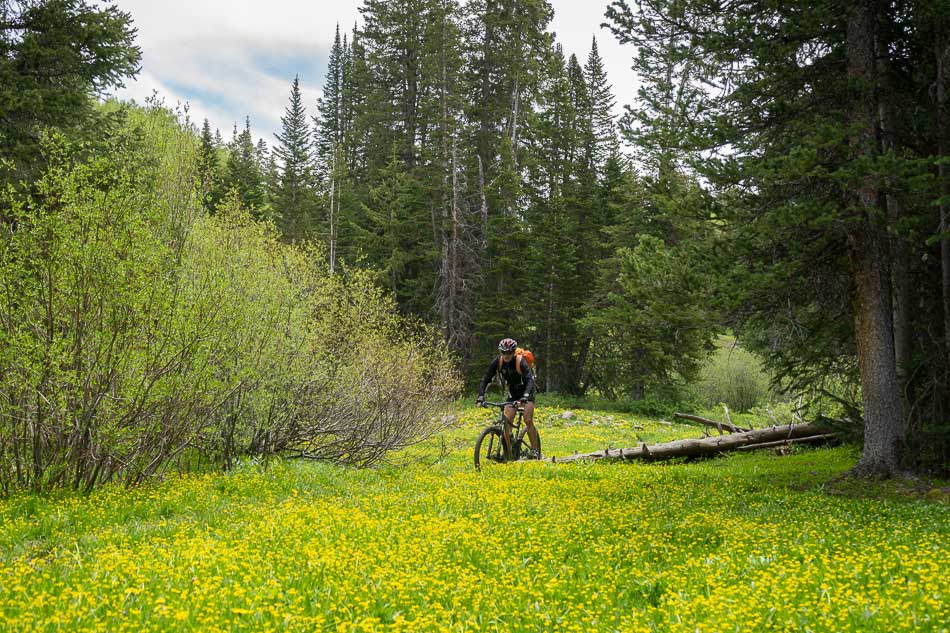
x: 523, y: 444
x: 490, y: 447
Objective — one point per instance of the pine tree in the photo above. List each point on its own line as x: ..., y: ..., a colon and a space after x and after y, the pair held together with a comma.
x: 652, y: 323
x: 555, y: 220
x: 389, y: 235
x: 209, y: 168
x: 357, y: 82
x: 341, y: 149
x: 508, y: 45
x: 243, y: 174
x: 261, y: 154
x: 55, y: 57
x: 330, y: 108
x: 270, y: 176
x: 406, y: 72
x: 294, y: 200
x: 673, y: 94
x: 394, y: 37
x: 267, y: 167
x: 602, y: 102
x: 442, y: 155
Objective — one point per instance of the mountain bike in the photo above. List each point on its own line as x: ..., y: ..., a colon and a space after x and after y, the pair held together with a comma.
x: 490, y: 446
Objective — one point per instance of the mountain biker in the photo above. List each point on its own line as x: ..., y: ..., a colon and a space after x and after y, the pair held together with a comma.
x: 521, y: 389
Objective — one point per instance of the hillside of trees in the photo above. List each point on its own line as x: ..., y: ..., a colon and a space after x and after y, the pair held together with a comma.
x: 782, y: 173
x: 458, y: 153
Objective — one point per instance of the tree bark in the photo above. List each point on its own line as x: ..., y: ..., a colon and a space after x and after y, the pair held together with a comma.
x: 942, y: 53
x: 760, y: 438
x: 872, y: 311
x: 900, y: 252
x: 515, y: 102
x: 333, y: 180
x: 728, y: 426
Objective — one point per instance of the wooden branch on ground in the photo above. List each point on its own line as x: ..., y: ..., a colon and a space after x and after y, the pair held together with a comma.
x: 825, y: 437
x: 747, y: 440
x: 729, y: 426
x: 728, y: 419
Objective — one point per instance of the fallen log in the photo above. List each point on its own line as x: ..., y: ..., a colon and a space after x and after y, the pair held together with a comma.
x: 759, y: 438
x: 729, y: 426
x: 826, y: 437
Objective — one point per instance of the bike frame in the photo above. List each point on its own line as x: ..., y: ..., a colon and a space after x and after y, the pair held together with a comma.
x: 513, y: 429
x: 510, y: 430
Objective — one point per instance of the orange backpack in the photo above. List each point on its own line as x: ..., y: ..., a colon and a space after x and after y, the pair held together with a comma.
x: 519, y: 354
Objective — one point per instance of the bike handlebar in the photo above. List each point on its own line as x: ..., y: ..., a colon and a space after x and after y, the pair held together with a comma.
x: 502, y: 405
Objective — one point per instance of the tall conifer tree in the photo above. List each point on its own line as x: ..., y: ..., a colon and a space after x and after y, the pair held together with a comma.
x: 508, y: 43
x: 602, y: 101
x: 330, y: 107
x: 209, y: 168
x: 55, y: 59
x: 243, y: 174
x: 552, y: 254
x: 294, y: 195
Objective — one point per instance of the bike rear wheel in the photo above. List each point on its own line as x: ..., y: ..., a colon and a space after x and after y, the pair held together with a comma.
x: 490, y: 447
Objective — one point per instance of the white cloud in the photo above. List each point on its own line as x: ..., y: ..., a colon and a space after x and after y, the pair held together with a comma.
x: 575, y: 23
x: 229, y: 59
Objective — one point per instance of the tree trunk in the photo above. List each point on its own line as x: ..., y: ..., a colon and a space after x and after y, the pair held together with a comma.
x: 942, y: 52
x: 483, y: 211
x: 485, y: 132
x: 460, y: 335
x: 900, y: 253
x: 760, y: 438
x: 515, y: 101
x: 873, y: 324
x: 720, y: 426
x: 333, y: 179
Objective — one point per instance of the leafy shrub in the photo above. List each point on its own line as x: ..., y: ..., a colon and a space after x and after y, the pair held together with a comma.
x: 732, y: 376
x: 654, y: 327
x: 137, y: 332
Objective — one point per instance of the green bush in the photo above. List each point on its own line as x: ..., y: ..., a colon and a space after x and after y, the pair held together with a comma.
x: 732, y: 376
x: 654, y: 327
x: 658, y: 402
x: 137, y: 333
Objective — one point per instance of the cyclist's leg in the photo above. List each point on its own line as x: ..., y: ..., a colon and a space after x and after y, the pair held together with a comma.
x: 529, y: 425
x: 509, y: 418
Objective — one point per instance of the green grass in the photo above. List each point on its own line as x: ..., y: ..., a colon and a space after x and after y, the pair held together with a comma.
x: 748, y: 542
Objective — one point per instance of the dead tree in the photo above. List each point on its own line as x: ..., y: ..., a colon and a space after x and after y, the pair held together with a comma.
x: 760, y: 438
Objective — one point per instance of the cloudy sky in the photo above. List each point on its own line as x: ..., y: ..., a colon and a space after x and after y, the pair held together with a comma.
x: 230, y: 58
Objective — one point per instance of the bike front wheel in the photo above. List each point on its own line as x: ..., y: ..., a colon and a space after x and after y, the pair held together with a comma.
x: 490, y: 447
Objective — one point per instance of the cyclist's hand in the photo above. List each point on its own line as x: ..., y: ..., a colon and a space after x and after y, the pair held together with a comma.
x: 479, y: 402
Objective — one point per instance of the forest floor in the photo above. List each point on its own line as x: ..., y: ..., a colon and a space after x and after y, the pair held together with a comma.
x: 745, y: 542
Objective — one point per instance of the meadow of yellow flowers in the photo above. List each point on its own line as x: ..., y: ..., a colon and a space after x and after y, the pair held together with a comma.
x: 750, y: 542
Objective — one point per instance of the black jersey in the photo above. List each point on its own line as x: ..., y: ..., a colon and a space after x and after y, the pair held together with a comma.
x: 520, y: 386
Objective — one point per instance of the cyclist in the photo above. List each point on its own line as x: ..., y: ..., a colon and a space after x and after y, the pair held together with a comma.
x: 521, y: 389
